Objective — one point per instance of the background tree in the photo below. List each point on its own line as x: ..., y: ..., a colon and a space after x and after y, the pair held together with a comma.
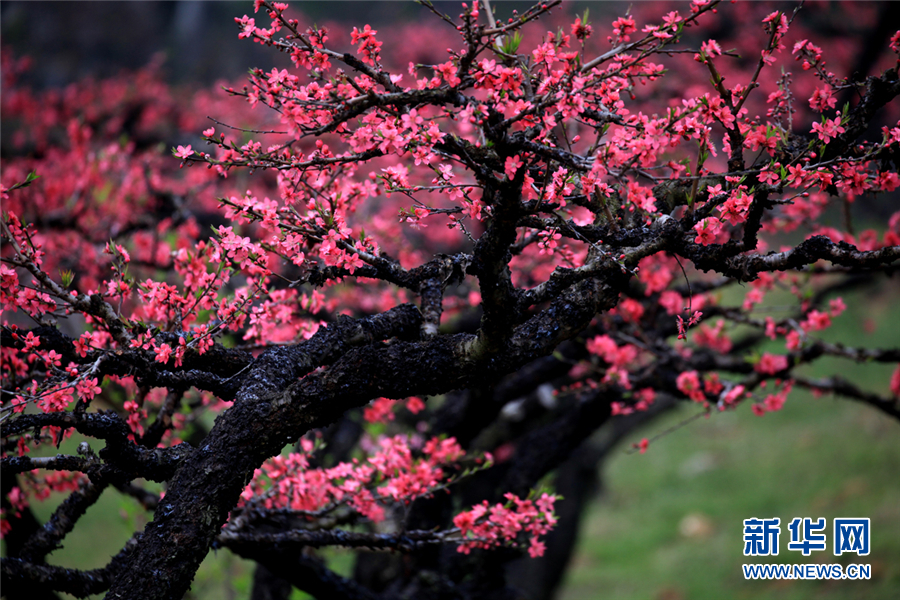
x: 567, y: 220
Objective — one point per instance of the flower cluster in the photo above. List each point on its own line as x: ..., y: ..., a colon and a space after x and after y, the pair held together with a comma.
x: 486, y: 526
x: 391, y: 473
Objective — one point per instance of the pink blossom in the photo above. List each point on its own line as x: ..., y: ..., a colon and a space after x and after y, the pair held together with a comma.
x: 822, y: 99
x: 536, y: 548
x: 736, y: 207
x: 816, y: 321
x: 248, y: 26
x: 631, y: 310
x: 733, y: 395
x: 604, y: 347
x: 774, y: 402
x: 770, y: 364
x: 53, y: 358
x: 645, y: 397
x: 688, y: 383
x: 512, y: 164
x: 369, y: 47
x: 415, y: 405
x: 837, y: 306
x: 671, y: 301
x: 163, y: 353
x: 711, y: 48
x: 707, y: 231
x: 713, y: 337
x: 31, y: 341
x: 792, y: 340
x: 581, y: 30
x: 88, y: 388
x: 829, y: 128
x: 623, y: 26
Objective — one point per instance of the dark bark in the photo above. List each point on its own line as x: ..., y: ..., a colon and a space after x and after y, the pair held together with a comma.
x: 878, y: 92
x: 306, y: 573
x: 22, y: 525
x: 577, y: 480
x: 47, y: 539
x: 261, y: 422
x: 269, y: 586
x: 271, y: 411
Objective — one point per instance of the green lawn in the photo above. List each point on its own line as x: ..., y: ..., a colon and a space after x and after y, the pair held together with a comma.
x: 669, y: 525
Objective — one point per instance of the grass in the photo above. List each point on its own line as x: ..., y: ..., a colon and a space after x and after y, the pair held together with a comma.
x: 669, y: 525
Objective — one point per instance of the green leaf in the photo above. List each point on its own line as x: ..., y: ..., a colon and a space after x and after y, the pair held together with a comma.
x: 704, y: 154
x: 28, y: 180
x: 511, y: 44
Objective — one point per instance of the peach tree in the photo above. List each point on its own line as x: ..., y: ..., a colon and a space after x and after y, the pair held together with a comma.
x: 441, y: 278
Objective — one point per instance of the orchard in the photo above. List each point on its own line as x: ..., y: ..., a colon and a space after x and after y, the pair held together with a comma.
x: 373, y: 302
